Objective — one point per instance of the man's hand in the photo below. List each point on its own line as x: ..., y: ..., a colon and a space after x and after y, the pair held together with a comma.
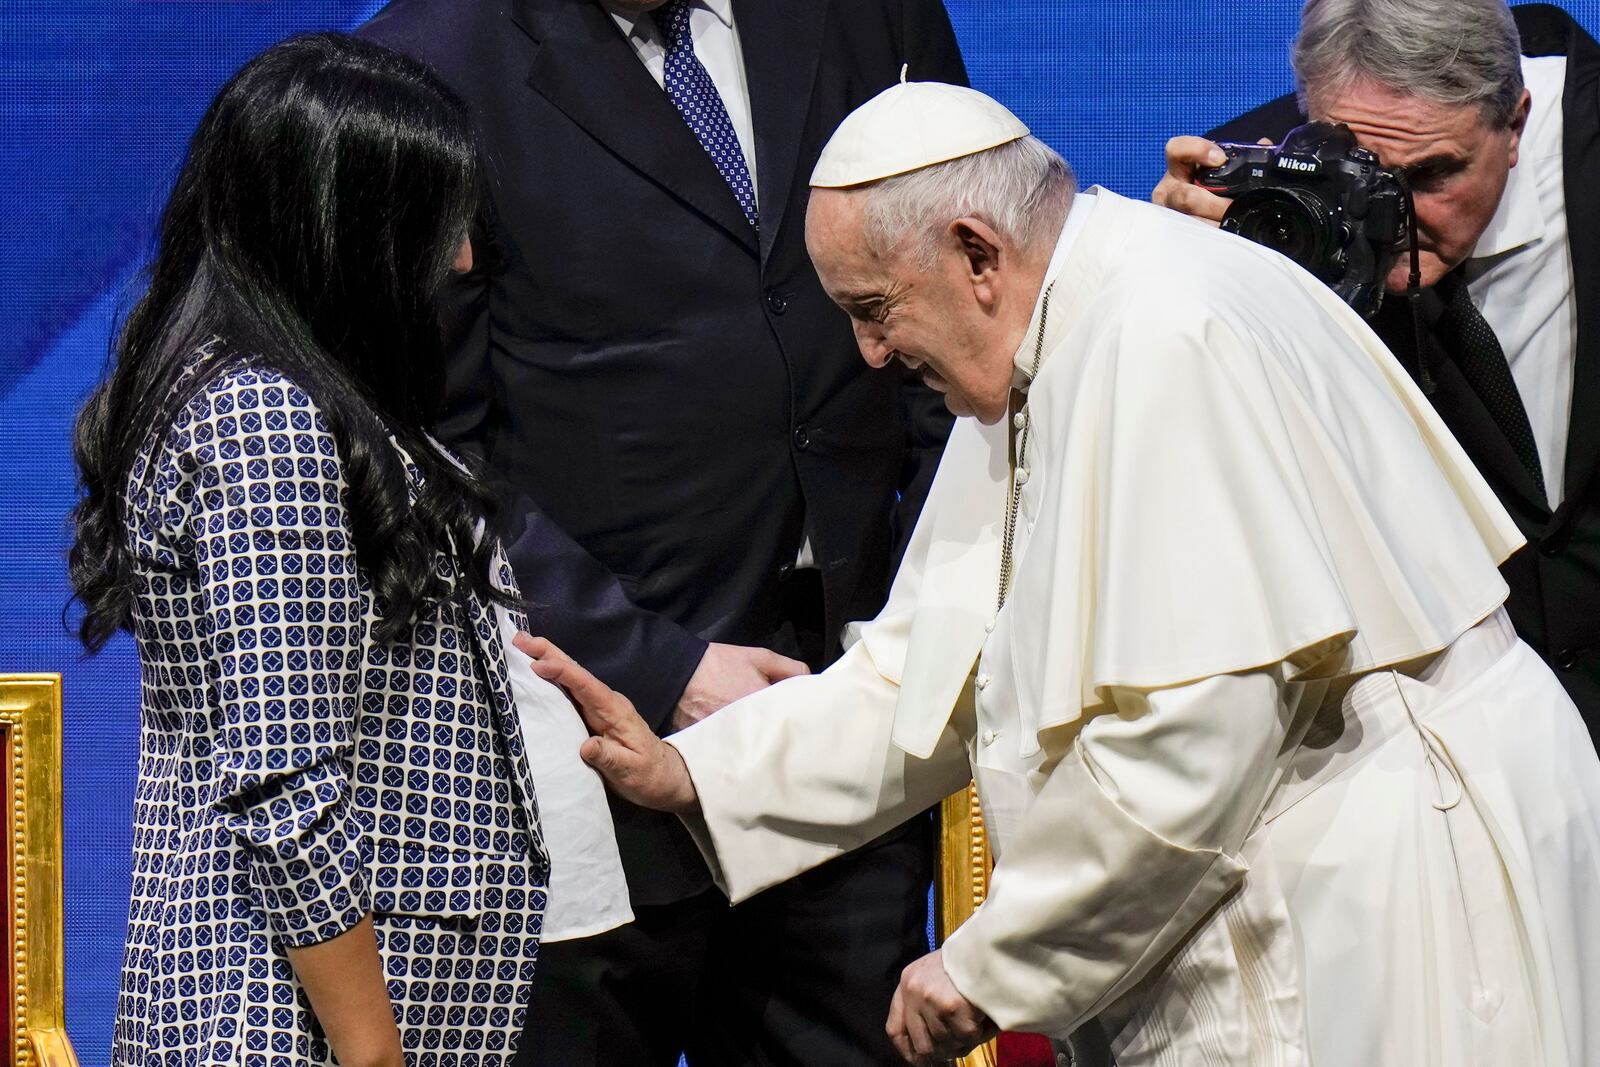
x: 726, y: 673
x: 930, y: 1022
x: 638, y: 765
x: 1177, y: 190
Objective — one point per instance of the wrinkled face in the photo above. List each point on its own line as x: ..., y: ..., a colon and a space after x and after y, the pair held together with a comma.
x: 935, y: 321
x: 1456, y: 161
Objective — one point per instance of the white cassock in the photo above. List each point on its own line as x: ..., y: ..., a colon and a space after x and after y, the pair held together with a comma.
x: 1270, y: 780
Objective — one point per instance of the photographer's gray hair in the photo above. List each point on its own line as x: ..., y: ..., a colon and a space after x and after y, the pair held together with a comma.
x: 1453, y: 52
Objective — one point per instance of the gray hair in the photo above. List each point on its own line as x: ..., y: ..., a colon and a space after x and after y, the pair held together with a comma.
x: 1022, y: 189
x: 1452, y: 52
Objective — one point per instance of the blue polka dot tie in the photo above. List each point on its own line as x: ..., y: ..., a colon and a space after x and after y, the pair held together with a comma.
x: 695, y: 96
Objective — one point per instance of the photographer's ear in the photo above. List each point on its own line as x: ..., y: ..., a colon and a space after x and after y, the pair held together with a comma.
x: 1519, y: 122
x: 980, y: 249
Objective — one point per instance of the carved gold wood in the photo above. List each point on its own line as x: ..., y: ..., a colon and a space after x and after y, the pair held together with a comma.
x: 35, y: 972
x: 964, y: 867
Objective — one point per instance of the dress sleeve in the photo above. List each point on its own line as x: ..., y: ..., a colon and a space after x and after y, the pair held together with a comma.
x: 257, y: 485
x: 1133, y: 839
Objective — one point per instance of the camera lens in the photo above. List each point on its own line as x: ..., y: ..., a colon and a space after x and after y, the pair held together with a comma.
x: 1287, y: 221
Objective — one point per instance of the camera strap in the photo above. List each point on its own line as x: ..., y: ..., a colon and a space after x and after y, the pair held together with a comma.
x: 1414, y: 289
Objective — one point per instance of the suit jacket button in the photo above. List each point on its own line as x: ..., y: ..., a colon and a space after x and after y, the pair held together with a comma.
x: 1566, y: 659
x: 802, y: 438
x: 777, y: 303
x: 1550, y: 548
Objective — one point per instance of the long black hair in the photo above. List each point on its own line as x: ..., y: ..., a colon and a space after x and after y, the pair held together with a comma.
x: 324, y: 198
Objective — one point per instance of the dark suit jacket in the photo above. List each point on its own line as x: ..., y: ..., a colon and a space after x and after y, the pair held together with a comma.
x: 671, y: 386
x: 1555, y: 580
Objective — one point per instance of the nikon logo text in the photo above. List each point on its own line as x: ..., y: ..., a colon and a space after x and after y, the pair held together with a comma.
x: 1304, y: 166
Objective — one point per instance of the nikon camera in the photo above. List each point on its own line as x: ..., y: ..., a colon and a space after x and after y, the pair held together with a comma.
x: 1320, y: 200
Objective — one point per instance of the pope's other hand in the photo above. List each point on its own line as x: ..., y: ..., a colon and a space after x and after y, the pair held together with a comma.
x: 930, y: 1022
x: 636, y: 764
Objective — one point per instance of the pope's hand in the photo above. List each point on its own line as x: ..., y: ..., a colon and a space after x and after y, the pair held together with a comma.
x: 930, y: 1022
x: 638, y: 765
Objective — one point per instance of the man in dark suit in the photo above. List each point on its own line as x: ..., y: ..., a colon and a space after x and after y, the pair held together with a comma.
x: 1504, y: 182
x: 647, y: 354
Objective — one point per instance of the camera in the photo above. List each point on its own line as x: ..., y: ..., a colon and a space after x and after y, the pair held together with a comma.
x: 1322, y: 201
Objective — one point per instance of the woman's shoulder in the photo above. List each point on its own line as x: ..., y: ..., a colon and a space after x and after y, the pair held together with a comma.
x: 248, y: 385
x: 248, y: 409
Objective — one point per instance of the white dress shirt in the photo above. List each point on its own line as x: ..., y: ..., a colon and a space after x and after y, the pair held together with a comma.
x: 716, y: 44
x: 1520, y: 274
x: 588, y: 890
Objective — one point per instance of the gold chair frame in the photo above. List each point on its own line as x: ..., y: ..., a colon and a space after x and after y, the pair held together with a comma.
x: 964, y: 868
x: 35, y: 970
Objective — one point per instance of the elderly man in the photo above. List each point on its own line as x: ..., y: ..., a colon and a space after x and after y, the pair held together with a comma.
x: 1503, y: 152
x: 1205, y: 596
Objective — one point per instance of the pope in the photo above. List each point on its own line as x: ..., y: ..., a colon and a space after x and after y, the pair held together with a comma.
x: 1205, y: 597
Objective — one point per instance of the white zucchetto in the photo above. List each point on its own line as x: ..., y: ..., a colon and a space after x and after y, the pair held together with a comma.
x: 910, y: 126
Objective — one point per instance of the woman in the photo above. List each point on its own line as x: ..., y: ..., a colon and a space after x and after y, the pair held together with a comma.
x: 336, y: 847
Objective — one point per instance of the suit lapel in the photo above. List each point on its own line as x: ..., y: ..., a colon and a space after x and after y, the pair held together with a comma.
x: 587, y: 70
x: 1455, y: 400
x: 1479, y: 434
x: 781, y: 43
x: 1581, y: 150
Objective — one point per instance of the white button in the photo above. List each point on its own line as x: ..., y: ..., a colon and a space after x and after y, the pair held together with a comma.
x: 988, y: 627
x: 982, y: 681
x: 1020, y: 419
x: 989, y: 737
x: 1022, y: 475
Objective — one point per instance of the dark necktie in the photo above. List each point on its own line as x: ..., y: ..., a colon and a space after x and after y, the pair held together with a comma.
x: 1482, y: 363
x: 695, y: 96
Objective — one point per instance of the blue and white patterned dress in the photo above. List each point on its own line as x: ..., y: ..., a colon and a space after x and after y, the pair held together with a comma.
x: 295, y: 774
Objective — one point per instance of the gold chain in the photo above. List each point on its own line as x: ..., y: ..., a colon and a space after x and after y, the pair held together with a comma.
x: 1019, y: 458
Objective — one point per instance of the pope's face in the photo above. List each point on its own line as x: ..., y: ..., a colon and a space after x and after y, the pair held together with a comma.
x: 930, y: 320
x: 1457, y: 163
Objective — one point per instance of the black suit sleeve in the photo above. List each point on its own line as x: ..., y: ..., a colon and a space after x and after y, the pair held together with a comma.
x: 572, y: 598
x: 929, y: 44
x: 1272, y: 120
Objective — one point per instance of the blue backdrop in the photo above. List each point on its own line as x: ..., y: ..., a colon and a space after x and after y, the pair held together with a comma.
x: 99, y: 97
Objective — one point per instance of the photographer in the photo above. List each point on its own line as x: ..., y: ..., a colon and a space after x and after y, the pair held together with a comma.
x: 1500, y: 141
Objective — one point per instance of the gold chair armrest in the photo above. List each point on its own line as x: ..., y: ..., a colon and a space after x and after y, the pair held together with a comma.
x: 964, y: 868
x: 35, y: 973
x: 51, y: 1048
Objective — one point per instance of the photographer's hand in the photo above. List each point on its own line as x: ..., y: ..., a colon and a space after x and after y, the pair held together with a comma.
x: 1177, y: 190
